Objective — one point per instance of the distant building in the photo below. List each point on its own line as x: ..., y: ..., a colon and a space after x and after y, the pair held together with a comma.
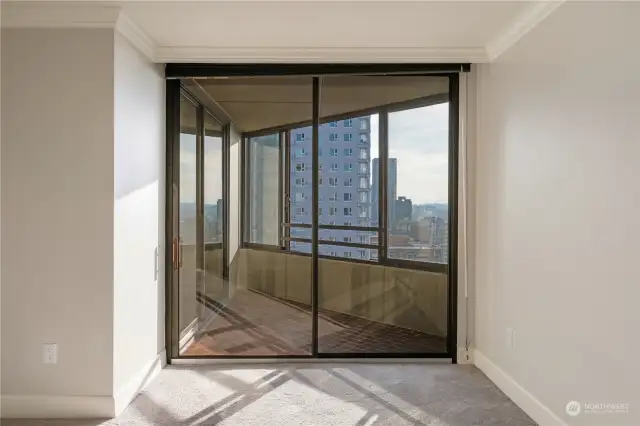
x: 344, y: 190
x: 403, y: 212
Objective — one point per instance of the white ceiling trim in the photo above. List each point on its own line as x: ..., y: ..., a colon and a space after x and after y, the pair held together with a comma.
x: 84, y: 15
x: 525, y: 22
x: 136, y: 36
x: 319, y: 54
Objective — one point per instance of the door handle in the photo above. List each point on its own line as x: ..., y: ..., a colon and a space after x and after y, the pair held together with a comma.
x: 175, y: 254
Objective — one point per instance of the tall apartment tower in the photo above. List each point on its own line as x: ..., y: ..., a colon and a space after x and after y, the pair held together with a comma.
x: 344, y: 192
x: 392, y: 182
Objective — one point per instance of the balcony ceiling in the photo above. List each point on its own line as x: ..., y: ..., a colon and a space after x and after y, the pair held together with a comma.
x: 259, y: 103
x: 300, y: 30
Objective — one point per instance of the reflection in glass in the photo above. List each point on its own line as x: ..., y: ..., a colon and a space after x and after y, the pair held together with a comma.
x: 188, y: 228
x: 264, y: 152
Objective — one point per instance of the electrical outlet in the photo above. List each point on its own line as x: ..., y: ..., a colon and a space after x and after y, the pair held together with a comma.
x: 50, y: 354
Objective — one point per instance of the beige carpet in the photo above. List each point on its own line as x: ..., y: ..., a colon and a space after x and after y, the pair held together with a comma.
x: 327, y: 394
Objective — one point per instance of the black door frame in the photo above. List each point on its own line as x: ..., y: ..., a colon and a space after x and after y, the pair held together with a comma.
x: 175, y: 72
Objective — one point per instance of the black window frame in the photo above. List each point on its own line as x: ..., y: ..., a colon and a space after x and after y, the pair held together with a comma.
x: 382, y: 247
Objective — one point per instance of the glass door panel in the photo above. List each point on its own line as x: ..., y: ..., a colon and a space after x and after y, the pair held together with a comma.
x: 366, y: 303
x: 185, y: 244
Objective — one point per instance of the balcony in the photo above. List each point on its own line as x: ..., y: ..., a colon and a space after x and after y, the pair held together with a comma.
x: 264, y: 309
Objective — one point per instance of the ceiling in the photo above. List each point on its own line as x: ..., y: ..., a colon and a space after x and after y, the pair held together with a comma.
x: 300, y: 30
x: 265, y: 102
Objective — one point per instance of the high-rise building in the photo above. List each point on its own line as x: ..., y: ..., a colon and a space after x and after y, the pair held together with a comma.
x: 403, y: 212
x: 392, y: 189
x: 344, y: 190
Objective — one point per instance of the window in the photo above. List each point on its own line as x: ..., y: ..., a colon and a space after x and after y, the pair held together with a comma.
x: 300, y: 152
x: 348, y: 196
x: 334, y: 152
x: 333, y: 124
x: 333, y: 137
x: 347, y: 254
x: 363, y: 153
x: 300, y: 182
x: 363, y: 124
x: 347, y: 211
x: 363, y: 183
x: 333, y: 211
x: 320, y: 167
x: 418, y: 209
x: 320, y: 152
x: 320, y: 180
x: 363, y: 254
x: 320, y: 210
x: 333, y: 197
x: 332, y: 238
x: 333, y: 222
x: 348, y: 137
x: 363, y: 197
x: 363, y: 138
x: 300, y: 197
x: 348, y: 182
x: 363, y: 239
x: 264, y: 152
x: 333, y: 181
x: 300, y: 211
x: 348, y: 122
x: 334, y: 167
x: 299, y: 137
x: 364, y: 212
x: 346, y: 239
x: 363, y: 168
x: 333, y: 253
x: 348, y: 167
x: 347, y: 224
x: 299, y: 167
x: 348, y: 152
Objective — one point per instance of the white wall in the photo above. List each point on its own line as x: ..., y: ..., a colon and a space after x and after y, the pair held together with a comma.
x: 83, y: 206
x: 139, y: 218
x: 57, y: 204
x: 558, y: 214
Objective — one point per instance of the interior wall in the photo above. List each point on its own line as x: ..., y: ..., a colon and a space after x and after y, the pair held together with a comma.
x: 139, y: 206
x: 557, y: 214
x: 57, y: 204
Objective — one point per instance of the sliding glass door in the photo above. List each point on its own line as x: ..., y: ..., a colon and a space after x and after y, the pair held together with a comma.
x: 346, y: 196
x: 197, y: 248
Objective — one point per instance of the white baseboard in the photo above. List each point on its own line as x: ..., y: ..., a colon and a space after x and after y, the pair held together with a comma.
x: 83, y: 407
x: 539, y: 412
x: 50, y: 406
x: 128, y: 392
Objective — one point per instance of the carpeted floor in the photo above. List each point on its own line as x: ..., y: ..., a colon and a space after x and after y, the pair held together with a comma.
x: 320, y: 394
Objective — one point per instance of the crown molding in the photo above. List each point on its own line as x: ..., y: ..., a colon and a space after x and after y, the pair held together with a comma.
x: 130, y: 30
x: 319, y: 54
x: 54, y: 15
x: 525, y: 22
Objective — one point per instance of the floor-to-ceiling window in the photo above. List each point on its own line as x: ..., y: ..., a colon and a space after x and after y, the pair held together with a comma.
x: 348, y: 205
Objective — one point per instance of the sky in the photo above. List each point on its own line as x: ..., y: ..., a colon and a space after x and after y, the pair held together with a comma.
x: 419, y: 139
